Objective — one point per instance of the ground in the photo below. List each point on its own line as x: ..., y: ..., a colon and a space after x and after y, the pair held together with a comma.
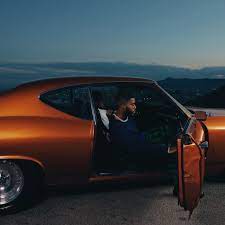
x: 140, y: 205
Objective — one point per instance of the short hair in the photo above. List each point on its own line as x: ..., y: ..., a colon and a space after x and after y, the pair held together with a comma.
x: 123, y: 97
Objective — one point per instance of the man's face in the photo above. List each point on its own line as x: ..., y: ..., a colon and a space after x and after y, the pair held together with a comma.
x: 131, y: 106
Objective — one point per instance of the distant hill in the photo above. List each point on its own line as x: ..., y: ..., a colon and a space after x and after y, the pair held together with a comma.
x: 214, y: 99
x: 12, y: 74
x: 185, y: 90
x: 204, y: 84
x: 151, y: 71
x: 185, y: 84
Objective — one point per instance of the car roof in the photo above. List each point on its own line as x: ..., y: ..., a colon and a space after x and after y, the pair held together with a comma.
x: 43, y: 85
x: 83, y: 79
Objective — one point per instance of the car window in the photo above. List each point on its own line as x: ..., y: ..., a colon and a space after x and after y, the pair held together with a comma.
x: 104, y: 96
x: 72, y: 100
x: 145, y: 95
x: 155, y: 113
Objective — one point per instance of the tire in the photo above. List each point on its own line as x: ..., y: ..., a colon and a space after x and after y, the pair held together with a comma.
x: 21, y: 185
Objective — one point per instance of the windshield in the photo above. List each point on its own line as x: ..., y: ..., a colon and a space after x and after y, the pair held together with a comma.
x: 184, y: 110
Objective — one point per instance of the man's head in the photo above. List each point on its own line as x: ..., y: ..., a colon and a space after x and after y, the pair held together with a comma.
x: 126, y: 103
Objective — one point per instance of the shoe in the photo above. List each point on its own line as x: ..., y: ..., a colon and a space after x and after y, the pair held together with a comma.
x: 202, y: 194
x: 175, y: 191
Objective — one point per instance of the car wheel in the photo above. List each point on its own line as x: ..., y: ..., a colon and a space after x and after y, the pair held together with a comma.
x: 18, y: 186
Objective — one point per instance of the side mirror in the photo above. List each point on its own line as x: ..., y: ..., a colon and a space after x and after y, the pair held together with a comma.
x: 200, y: 115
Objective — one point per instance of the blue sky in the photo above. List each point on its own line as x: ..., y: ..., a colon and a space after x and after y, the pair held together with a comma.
x: 173, y: 32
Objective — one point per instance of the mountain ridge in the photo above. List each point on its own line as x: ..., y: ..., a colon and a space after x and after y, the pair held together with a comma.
x: 153, y: 71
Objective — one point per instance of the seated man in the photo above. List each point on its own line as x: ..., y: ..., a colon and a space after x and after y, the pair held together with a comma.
x: 126, y: 136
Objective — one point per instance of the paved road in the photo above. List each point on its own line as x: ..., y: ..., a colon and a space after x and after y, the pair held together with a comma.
x: 139, y: 205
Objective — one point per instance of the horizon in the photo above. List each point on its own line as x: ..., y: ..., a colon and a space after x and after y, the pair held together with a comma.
x: 111, y: 62
x: 177, y: 80
x: 18, y: 72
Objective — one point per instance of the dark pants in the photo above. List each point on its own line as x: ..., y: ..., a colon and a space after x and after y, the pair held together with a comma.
x: 151, y: 156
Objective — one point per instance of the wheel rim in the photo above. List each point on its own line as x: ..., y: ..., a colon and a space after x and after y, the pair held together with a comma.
x: 11, y: 181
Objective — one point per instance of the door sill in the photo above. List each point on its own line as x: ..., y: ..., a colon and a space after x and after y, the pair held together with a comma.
x: 128, y: 176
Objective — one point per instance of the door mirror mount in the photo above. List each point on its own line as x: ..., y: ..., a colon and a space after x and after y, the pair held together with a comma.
x: 200, y: 115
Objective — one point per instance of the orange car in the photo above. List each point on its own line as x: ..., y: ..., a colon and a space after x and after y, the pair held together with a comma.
x: 52, y: 132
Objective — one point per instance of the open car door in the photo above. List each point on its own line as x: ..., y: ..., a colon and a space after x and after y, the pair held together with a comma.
x: 191, y: 146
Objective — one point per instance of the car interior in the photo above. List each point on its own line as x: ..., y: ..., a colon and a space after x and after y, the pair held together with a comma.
x: 155, y: 115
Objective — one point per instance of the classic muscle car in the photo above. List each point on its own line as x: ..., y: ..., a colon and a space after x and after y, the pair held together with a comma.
x: 52, y: 133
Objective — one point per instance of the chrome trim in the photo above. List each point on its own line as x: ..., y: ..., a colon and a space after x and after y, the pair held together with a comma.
x: 180, y: 106
x: 191, y: 121
x: 92, y: 107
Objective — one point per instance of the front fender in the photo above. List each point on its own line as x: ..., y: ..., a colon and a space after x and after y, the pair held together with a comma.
x: 216, y: 152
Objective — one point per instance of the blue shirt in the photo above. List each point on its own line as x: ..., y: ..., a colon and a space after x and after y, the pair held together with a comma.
x: 125, y: 135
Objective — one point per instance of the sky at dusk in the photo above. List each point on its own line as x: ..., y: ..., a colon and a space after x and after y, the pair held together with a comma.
x: 171, y: 32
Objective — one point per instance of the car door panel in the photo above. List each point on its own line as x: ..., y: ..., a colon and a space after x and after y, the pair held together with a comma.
x: 191, y: 166
x: 63, y: 146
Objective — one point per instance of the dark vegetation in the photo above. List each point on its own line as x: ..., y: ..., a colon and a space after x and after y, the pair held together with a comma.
x: 197, y: 92
x: 214, y: 99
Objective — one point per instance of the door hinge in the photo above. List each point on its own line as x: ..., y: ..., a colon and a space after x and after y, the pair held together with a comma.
x: 204, y: 144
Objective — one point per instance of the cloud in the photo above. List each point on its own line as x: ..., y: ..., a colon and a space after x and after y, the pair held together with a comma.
x: 16, y: 70
x: 219, y: 76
